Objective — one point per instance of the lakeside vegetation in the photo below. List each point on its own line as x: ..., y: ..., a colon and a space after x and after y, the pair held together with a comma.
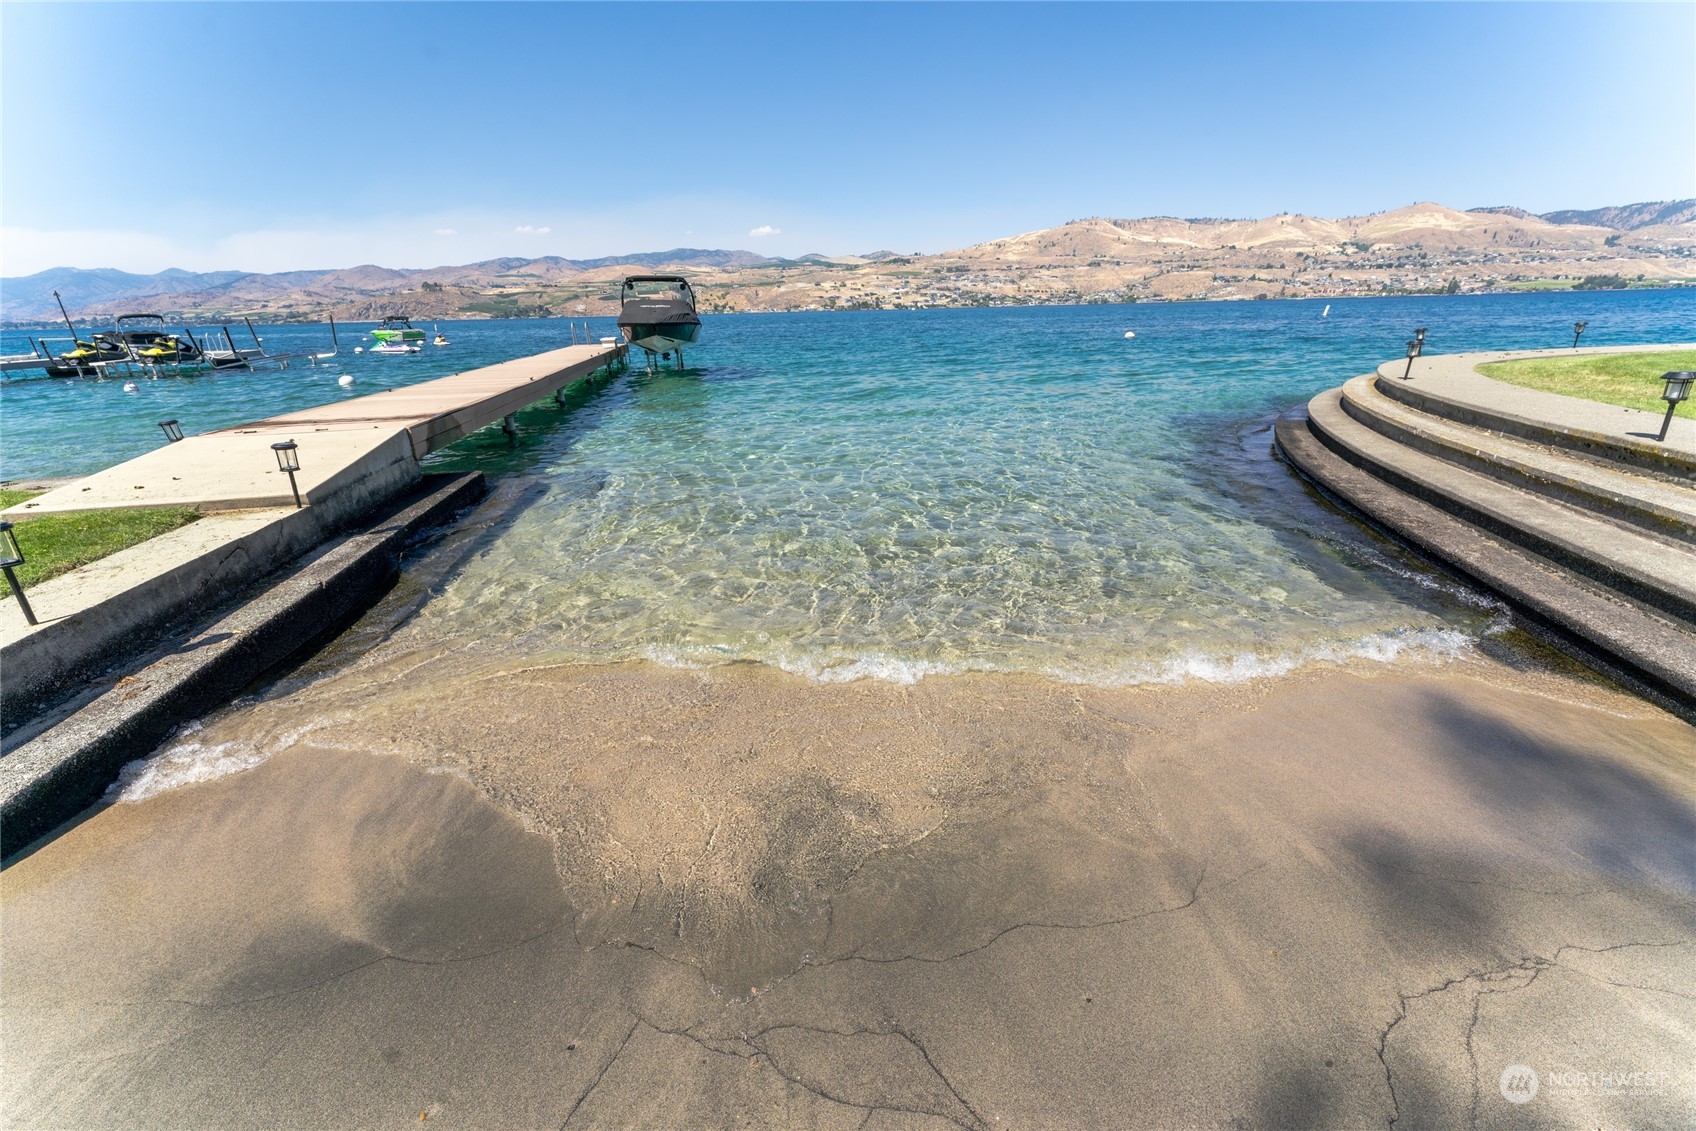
x: 1630, y: 380
x: 58, y: 543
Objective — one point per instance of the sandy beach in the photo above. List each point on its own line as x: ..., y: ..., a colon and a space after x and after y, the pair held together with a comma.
x: 637, y: 896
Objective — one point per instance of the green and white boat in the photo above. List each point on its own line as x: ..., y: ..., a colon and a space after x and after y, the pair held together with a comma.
x: 397, y: 328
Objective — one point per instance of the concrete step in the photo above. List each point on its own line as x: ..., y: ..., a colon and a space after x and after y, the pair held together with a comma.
x: 1652, y: 653
x: 1449, y: 386
x: 1651, y: 502
x: 1644, y: 567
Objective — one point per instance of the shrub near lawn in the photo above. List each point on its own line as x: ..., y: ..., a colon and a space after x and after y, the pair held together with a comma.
x: 1631, y: 380
x: 58, y: 543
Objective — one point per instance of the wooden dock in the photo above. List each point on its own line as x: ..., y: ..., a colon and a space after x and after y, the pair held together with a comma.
x: 352, y: 453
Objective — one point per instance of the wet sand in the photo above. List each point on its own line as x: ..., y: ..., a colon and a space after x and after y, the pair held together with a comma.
x: 636, y: 896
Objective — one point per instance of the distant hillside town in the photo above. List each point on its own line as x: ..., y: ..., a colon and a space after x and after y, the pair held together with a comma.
x: 1420, y: 249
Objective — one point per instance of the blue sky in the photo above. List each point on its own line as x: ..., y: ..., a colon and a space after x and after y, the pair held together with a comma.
x: 280, y: 136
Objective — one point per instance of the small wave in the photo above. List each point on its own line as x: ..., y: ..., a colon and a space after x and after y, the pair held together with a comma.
x: 890, y: 669
x: 187, y: 763
x: 1430, y: 644
x: 670, y: 657
x: 1437, y: 644
x: 820, y: 668
x: 190, y: 763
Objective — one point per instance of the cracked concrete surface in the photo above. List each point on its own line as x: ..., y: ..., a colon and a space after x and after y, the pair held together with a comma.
x: 637, y: 897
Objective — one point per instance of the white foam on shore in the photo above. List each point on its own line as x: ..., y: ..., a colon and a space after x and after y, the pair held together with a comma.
x: 186, y: 763
x: 190, y: 763
x: 889, y: 669
x: 1438, y: 645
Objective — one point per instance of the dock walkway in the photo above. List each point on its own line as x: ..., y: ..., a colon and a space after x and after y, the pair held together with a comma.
x: 348, y: 449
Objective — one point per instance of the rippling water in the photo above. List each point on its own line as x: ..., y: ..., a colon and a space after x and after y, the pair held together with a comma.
x: 898, y: 493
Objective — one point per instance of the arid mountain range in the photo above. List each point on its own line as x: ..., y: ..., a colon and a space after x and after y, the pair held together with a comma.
x: 1422, y: 248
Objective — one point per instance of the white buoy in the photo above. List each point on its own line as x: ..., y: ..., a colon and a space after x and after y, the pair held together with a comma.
x: 1130, y: 333
x: 358, y: 349
x: 129, y: 386
x: 345, y: 380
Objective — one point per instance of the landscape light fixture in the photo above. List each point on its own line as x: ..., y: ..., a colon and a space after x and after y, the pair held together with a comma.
x: 1577, y: 332
x: 11, y: 557
x: 173, y: 431
x: 288, y: 459
x: 1419, y: 336
x: 1413, y: 346
x: 1676, y: 392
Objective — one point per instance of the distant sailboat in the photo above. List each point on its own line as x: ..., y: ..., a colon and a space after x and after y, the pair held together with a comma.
x: 1326, y: 313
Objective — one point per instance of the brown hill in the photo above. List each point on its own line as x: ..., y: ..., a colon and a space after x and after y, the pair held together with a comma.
x: 1419, y: 248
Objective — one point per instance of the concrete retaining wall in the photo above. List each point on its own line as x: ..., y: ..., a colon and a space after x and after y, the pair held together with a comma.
x: 62, y: 654
x: 59, y: 772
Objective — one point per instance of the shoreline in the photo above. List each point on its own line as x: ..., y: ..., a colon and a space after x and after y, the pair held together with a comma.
x: 342, y: 694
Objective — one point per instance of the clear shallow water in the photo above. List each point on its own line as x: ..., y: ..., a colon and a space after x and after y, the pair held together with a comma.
x: 893, y: 494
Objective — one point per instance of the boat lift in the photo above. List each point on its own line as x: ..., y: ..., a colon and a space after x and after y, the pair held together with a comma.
x: 131, y: 365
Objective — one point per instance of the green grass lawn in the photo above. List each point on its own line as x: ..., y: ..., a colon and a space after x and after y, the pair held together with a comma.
x: 57, y: 543
x: 1632, y: 380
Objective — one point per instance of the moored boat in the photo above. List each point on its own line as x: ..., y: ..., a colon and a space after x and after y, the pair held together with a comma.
x: 397, y: 328
x: 658, y: 313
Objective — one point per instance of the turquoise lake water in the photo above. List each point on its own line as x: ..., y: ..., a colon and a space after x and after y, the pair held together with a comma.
x: 894, y: 494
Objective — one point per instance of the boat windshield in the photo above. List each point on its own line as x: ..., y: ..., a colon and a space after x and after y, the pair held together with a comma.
x: 656, y: 288
x: 141, y: 322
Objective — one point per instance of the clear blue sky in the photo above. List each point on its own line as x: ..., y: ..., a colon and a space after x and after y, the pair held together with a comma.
x: 278, y: 136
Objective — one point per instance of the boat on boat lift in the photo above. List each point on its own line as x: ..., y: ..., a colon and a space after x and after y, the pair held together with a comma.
x: 135, y: 339
x: 148, y: 341
x: 142, y: 345
x: 658, y: 314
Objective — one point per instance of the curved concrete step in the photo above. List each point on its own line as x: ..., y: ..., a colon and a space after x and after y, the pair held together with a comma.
x: 1651, y: 502
x: 1659, y: 572
x: 1655, y: 654
x: 1468, y: 397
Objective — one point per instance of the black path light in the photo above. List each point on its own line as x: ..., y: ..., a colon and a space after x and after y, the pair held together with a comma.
x: 1676, y: 392
x: 173, y: 431
x: 288, y: 459
x: 1413, y: 348
x: 1577, y: 332
x: 11, y: 557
